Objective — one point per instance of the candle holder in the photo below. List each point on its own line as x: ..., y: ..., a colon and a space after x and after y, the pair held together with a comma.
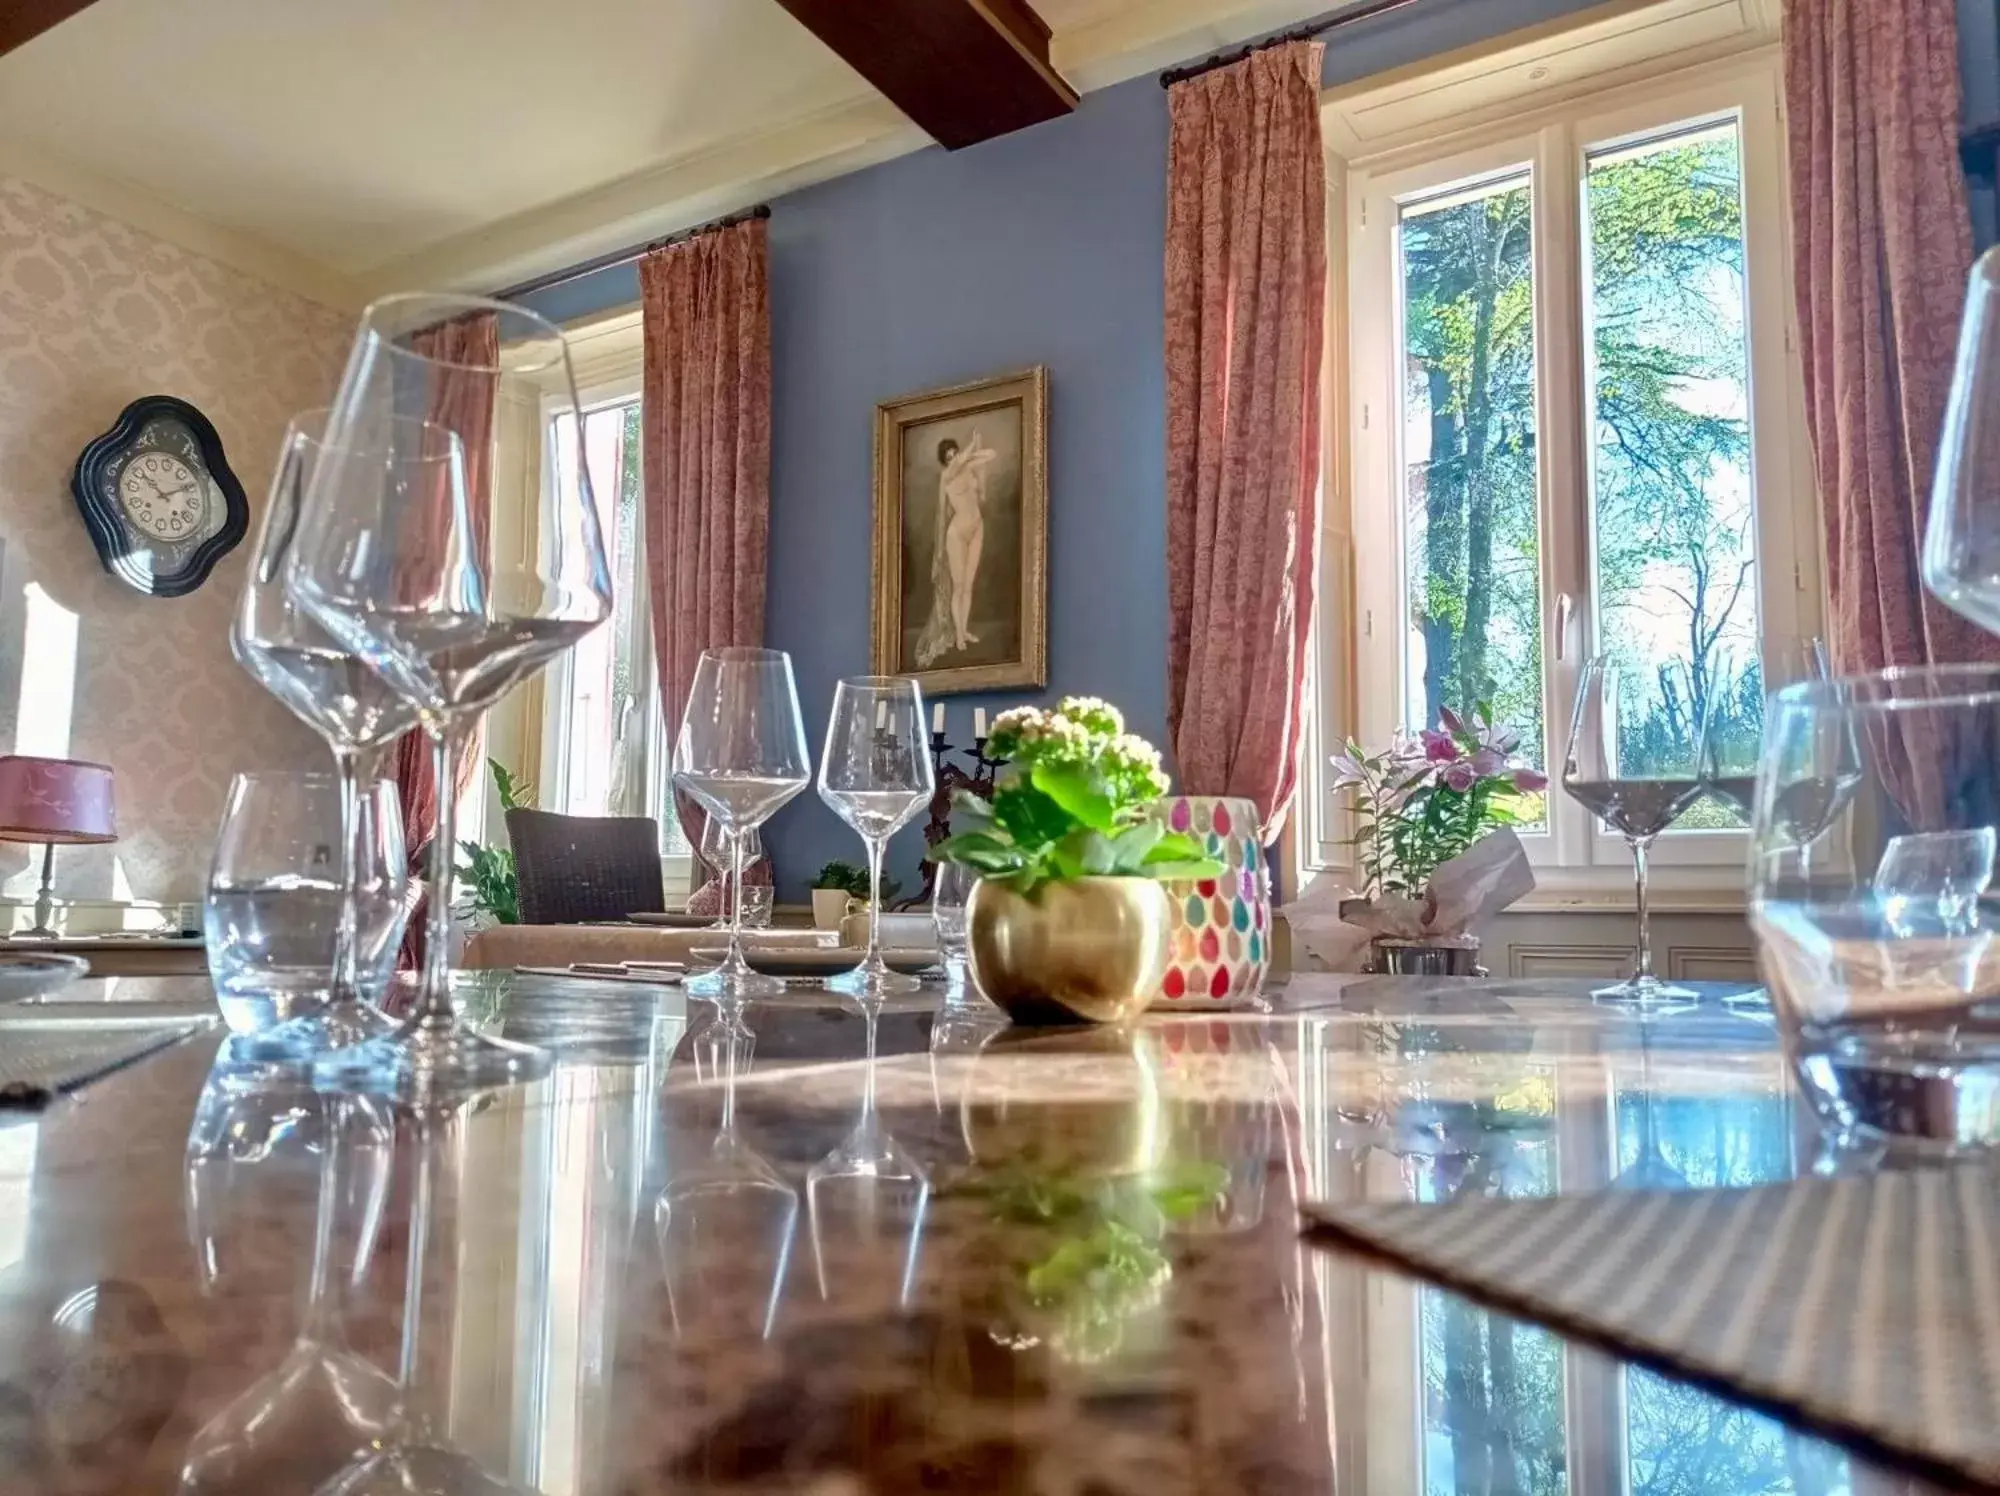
x: 950, y: 777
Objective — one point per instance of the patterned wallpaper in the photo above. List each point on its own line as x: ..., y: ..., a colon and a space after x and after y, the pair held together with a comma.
x: 94, y: 313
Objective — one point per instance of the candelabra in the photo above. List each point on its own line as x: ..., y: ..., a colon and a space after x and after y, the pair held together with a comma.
x: 950, y: 777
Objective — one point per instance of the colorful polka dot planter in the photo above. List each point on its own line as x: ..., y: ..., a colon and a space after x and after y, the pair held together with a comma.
x: 1221, y: 935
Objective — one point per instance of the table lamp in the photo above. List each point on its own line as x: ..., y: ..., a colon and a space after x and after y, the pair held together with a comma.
x: 51, y: 801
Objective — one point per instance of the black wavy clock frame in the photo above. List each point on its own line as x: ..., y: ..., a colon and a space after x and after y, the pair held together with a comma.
x: 108, y: 528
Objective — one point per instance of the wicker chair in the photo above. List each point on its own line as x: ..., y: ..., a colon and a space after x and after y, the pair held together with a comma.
x: 579, y: 868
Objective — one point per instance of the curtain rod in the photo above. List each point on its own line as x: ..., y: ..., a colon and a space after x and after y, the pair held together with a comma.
x: 627, y: 256
x: 1364, y: 10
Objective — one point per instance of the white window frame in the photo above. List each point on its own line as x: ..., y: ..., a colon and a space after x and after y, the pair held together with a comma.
x: 608, y: 356
x: 1361, y: 646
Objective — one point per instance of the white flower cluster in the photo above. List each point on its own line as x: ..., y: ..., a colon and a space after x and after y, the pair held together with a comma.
x: 1094, y: 712
x: 1132, y: 753
x: 1027, y: 725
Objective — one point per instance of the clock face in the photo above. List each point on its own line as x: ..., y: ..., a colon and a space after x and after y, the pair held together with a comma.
x: 163, y: 496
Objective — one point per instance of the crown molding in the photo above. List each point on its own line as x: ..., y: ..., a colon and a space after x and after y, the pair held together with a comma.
x: 138, y: 208
x: 661, y: 200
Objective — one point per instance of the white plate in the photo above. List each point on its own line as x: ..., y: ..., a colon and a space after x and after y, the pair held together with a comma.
x: 796, y: 961
x: 31, y: 973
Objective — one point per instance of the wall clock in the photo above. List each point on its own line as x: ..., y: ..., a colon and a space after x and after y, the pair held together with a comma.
x: 158, y: 498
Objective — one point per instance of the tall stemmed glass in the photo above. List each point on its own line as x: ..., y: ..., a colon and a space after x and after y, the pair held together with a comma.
x: 322, y: 1404
x: 740, y: 755
x: 1732, y: 740
x: 1961, y: 560
x: 1638, y: 788
x: 395, y: 559
x: 868, y: 1197
x: 719, y: 1207
x: 876, y: 774
x: 333, y: 692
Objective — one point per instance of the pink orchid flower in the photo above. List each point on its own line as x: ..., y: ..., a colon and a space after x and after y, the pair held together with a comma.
x: 1527, y: 781
x: 1440, y: 747
x: 1450, y: 720
x: 1488, y: 762
x: 1461, y: 776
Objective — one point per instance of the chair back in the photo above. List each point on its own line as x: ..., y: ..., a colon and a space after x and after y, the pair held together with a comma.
x: 574, y: 869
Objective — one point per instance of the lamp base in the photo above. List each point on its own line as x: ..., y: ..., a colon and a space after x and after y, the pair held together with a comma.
x: 45, y: 900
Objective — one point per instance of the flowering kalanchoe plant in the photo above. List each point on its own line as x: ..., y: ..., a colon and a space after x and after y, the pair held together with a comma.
x: 1430, y: 797
x: 1075, y: 801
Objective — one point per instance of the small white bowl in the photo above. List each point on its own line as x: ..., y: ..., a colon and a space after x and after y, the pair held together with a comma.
x: 25, y: 974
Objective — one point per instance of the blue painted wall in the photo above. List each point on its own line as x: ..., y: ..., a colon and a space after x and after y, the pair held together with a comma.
x: 1041, y: 247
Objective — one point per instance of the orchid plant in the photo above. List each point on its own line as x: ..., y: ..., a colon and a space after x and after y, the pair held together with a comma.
x: 1429, y: 798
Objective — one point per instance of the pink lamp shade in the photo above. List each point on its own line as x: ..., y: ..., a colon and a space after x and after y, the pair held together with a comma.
x: 59, y: 800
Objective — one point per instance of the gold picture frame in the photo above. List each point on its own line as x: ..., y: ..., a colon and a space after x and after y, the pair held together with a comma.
x: 960, y: 576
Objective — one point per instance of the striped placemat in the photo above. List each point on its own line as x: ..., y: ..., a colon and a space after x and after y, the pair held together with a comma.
x: 1865, y: 1307
x: 43, y: 1060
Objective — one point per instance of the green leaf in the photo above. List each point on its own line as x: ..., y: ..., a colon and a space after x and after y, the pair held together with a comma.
x: 1079, y: 792
x: 1031, y: 817
x: 1175, y: 846
x: 1184, y: 872
x: 1132, y: 846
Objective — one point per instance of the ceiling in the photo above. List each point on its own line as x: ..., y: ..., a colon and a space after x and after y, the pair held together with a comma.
x: 475, y: 142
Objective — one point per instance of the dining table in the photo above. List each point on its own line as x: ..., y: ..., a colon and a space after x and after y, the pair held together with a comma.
x: 818, y: 1251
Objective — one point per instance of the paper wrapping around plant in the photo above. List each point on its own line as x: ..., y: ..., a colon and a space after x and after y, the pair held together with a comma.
x: 1462, y: 895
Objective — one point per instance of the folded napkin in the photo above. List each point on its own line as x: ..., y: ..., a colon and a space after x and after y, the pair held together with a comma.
x: 1865, y: 1307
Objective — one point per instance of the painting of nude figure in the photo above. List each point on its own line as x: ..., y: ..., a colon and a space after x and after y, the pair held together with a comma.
x: 961, y: 523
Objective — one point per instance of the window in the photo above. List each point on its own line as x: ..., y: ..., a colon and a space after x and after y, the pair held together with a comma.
x: 1574, y: 421
x: 590, y: 734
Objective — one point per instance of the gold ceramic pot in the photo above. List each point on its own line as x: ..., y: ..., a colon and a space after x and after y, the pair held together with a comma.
x: 1088, y: 950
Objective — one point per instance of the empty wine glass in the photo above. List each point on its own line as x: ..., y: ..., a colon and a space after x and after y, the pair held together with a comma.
x: 1731, y: 741
x: 1961, y: 559
x: 876, y: 774
x: 1876, y: 933
x: 951, y: 891
x: 868, y: 1198
x: 723, y: 1204
x: 719, y: 852
x: 414, y: 1457
x: 741, y: 754
x: 323, y: 1404
x: 329, y: 689
x: 1631, y: 762
x: 394, y: 559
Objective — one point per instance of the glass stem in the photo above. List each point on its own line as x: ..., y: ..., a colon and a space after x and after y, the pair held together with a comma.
x: 435, y: 1010
x: 319, y: 1317
x: 347, y: 772
x: 868, y: 1075
x: 1645, y: 969
x: 736, y: 902
x: 408, y: 1368
x: 875, y: 850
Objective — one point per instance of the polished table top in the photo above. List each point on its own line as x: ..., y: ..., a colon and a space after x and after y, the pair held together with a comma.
x: 1063, y: 1263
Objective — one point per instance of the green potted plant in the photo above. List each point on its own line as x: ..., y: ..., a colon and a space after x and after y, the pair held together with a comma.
x: 489, y: 885
x: 834, y: 885
x: 1068, y: 921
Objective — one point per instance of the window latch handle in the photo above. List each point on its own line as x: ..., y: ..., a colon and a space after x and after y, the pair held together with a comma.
x: 1565, y: 606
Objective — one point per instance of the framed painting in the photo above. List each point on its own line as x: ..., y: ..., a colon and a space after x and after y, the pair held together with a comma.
x: 961, y: 535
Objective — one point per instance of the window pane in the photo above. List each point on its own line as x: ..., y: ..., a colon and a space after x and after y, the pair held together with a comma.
x: 1470, y: 538
x: 1673, y: 521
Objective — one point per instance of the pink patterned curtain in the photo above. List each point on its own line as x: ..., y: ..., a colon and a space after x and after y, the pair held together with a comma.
x: 707, y: 451
x: 1246, y: 294
x: 462, y: 402
x: 1882, y: 244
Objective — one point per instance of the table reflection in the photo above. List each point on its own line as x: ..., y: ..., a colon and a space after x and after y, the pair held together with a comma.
x: 1074, y: 1266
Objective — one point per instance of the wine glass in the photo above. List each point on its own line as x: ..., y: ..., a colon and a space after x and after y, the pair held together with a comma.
x: 414, y: 1457
x: 876, y: 774
x: 329, y: 689
x: 1961, y: 558
x: 1878, y: 943
x: 1732, y: 740
x: 721, y: 1205
x: 741, y: 754
x: 393, y: 558
x: 322, y: 1403
x: 1632, y: 762
x: 718, y: 851
x: 949, y: 895
x: 868, y: 1197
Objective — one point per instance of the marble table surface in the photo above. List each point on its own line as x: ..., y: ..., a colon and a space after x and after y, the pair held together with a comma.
x: 1055, y: 1264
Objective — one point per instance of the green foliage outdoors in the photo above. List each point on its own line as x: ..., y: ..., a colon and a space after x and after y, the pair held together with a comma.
x: 1673, y: 537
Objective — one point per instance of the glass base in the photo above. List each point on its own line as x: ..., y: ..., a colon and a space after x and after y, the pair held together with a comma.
x: 418, y: 1470
x: 732, y: 981
x: 1646, y: 991
x: 1887, y: 1083
x: 422, y: 1060
x: 339, y: 1025
x: 872, y: 981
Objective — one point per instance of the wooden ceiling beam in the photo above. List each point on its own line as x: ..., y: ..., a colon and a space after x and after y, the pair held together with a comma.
x: 24, y: 20
x: 963, y: 70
